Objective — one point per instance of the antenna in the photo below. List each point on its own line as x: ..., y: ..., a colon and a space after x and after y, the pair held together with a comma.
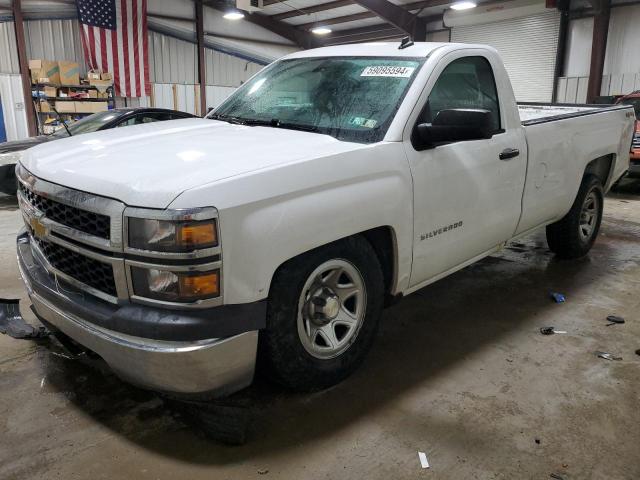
x: 405, y: 43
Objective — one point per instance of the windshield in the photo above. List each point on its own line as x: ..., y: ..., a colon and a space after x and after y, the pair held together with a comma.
x: 636, y: 105
x: 351, y: 99
x: 89, y: 124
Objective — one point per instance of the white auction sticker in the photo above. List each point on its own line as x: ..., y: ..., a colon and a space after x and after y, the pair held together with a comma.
x: 387, y: 71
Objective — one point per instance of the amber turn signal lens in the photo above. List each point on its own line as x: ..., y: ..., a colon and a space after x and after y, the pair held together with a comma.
x: 200, y: 285
x: 198, y: 234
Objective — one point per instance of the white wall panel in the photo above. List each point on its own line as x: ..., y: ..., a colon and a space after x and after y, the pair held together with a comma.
x: 216, y: 95
x: 13, y: 106
x: 228, y: 71
x: 528, y: 46
x: 439, y: 36
x: 623, y: 43
x: 578, y: 51
x: 8, y: 49
x: 171, y: 60
x: 186, y: 97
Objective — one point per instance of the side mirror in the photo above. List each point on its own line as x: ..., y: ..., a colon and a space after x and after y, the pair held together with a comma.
x: 455, y: 125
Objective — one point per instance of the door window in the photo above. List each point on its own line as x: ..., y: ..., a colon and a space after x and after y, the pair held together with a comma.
x: 465, y: 83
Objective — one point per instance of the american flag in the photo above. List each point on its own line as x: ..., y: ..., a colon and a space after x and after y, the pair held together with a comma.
x: 114, y: 38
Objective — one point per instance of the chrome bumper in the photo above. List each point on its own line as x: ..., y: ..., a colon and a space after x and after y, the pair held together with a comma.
x: 213, y: 367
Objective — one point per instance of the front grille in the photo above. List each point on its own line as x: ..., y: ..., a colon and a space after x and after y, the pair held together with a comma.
x: 84, y: 269
x: 636, y: 141
x: 87, y: 222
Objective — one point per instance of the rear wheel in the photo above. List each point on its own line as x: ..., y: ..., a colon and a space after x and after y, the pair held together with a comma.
x: 323, y: 314
x: 574, y: 235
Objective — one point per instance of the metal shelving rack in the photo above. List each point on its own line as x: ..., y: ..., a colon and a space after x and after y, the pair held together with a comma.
x: 39, y: 87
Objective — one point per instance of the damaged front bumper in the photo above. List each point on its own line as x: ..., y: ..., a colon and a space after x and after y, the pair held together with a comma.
x: 168, y: 351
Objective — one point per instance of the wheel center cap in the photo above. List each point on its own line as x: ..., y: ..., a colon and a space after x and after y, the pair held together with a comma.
x: 324, y: 305
x: 332, y: 308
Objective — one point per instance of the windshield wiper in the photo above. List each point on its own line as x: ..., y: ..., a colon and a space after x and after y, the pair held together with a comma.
x: 229, y: 119
x: 254, y: 122
x: 274, y: 122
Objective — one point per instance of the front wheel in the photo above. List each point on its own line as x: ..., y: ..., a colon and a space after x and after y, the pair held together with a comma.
x: 574, y: 235
x: 323, y: 314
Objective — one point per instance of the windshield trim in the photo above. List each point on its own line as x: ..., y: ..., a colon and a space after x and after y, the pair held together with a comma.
x: 341, y: 134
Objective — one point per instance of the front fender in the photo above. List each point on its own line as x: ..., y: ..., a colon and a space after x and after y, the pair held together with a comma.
x: 270, y: 216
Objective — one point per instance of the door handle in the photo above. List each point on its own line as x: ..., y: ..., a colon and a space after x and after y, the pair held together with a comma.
x: 508, y: 153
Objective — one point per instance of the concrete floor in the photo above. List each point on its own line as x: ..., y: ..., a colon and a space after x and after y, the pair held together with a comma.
x: 459, y: 371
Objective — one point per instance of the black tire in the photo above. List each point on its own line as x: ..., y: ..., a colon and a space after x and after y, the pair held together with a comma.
x: 288, y: 362
x: 564, y: 237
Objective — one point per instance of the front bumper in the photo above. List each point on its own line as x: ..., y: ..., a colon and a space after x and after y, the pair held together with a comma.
x: 210, y: 366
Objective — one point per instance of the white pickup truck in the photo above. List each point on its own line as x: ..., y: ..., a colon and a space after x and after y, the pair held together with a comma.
x: 275, y: 230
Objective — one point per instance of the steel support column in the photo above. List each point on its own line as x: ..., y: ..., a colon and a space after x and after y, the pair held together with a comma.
x: 202, y: 67
x: 24, y: 68
x: 598, y: 47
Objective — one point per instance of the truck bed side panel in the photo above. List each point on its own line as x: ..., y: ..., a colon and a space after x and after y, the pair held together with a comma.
x: 558, y: 153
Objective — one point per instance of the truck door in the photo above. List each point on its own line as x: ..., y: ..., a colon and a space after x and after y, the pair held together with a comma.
x: 467, y: 194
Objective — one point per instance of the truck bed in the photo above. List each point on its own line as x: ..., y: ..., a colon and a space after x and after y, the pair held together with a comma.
x: 533, y: 113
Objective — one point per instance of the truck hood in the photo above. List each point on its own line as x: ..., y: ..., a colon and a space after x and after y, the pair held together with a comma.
x: 150, y: 165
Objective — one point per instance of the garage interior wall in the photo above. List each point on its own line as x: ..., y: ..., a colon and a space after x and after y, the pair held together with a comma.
x: 172, y: 61
x: 621, y: 73
x: 528, y: 46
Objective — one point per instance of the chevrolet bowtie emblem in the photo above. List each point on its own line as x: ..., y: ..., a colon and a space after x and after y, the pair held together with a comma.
x: 39, y: 230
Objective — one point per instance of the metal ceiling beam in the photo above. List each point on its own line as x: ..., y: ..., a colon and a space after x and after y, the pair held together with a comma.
x: 397, y: 16
x: 364, y: 15
x: 314, y: 9
x: 299, y: 37
x: 335, y: 21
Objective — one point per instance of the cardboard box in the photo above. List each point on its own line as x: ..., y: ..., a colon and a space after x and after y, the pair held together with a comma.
x: 106, y: 76
x: 50, y: 92
x: 100, y: 83
x: 93, y: 75
x: 44, y: 106
x: 102, y: 94
x: 66, y: 107
x: 90, y: 107
x: 51, y: 71
x: 69, y: 73
x: 93, y: 94
x: 35, y: 66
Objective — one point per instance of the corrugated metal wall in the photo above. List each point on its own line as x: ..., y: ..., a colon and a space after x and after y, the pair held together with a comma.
x: 8, y: 49
x: 528, y: 46
x: 54, y: 40
x: 227, y: 71
x: 171, y: 60
x: 13, y: 106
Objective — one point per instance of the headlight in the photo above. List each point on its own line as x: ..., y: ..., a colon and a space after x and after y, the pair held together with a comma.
x: 175, y: 286
x: 172, y: 236
x: 10, y: 158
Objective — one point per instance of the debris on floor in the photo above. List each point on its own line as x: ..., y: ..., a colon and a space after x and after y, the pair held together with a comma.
x: 12, y: 323
x: 550, y: 331
x: 423, y: 460
x: 614, y: 319
x: 558, y: 297
x: 556, y: 476
x: 607, y: 356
